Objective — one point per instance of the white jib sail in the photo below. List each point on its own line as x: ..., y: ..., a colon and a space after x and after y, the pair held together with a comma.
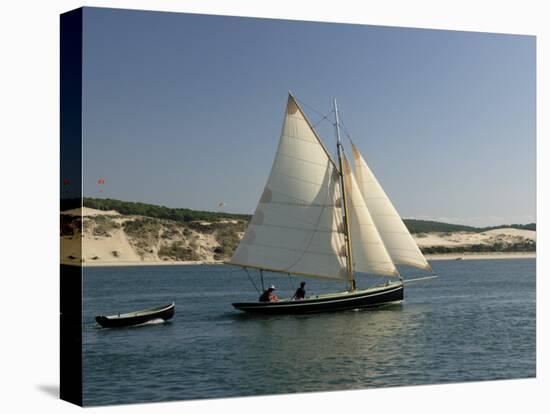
x: 368, y: 250
x: 397, y: 239
x: 297, y: 225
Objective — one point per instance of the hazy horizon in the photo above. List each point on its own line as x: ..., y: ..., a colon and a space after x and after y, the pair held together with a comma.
x: 186, y: 110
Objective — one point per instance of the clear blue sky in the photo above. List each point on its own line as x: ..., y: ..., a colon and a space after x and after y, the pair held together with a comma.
x: 186, y: 110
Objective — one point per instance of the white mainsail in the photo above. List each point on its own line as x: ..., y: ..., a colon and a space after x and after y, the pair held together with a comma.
x: 297, y: 227
x: 395, y: 235
x: 368, y: 250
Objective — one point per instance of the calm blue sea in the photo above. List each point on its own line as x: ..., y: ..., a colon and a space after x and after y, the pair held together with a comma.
x: 475, y: 322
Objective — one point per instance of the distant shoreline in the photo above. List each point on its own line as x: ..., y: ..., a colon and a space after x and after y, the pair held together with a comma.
x: 108, y: 238
x: 434, y: 257
x: 148, y: 263
x: 481, y: 256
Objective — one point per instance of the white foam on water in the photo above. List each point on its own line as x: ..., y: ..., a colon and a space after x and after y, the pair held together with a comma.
x: 153, y: 322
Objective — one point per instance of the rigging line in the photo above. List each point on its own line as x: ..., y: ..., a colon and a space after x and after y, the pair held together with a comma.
x: 309, y: 106
x: 312, y: 252
x: 294, y: 218
x: 346, y: 130
x: 290, y: 284
x: 321, y: 164
x: 420, y: 278
x: 290, y: 196
x: 293, y: 177
x: 323, y: 117
x: 301, y: 228
x: 348, y: 135
x: 327, y: 195
x: 303, y: 140
x: 252, y: 280
x: 269, y: 206
x: 262, y: 277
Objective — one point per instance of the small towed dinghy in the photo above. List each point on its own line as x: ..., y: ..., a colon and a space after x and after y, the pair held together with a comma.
x: 137, y: 318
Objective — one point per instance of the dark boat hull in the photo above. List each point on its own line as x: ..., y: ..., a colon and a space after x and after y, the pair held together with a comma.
x: 136, y: 318
x: 328, y: 303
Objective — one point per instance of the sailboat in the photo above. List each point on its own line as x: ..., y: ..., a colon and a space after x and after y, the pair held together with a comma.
x: 318, y: 218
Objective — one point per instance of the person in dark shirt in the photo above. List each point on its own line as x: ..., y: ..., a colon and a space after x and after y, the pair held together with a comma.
x: 268, y: 295
x: 300, y: 292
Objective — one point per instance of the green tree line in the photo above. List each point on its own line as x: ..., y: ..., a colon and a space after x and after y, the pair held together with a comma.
x: 185, y: 215
x: 182, y: 215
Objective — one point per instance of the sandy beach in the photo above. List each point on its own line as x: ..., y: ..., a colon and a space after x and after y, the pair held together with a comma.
x: 481, y: 256
x: 149, y: 263
x: 433, y: 257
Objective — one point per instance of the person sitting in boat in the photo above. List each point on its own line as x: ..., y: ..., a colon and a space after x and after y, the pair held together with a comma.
x: 300, y: 292
x: 268, y: 295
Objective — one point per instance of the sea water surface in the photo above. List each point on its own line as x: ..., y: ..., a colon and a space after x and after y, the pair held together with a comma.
x: 475, y: 322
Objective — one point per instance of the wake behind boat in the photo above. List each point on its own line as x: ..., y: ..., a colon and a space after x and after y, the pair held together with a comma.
x: 164, y: 313
x: 319, y: 218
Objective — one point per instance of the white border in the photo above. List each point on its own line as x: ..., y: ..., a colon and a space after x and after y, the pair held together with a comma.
x: 29, y: 171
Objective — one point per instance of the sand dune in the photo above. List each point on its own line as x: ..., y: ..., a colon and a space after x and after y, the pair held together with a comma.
x: 106, y: 243
x: 481, y: 256
x: 506, y: 235
x: 89, y: 212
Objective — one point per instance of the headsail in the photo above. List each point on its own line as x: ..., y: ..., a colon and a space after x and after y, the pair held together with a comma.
x: 397, y: 239
x: 369, y: 253
x: 297, y: 225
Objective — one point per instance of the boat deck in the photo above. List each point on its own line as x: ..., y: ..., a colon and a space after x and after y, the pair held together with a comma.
x: 376, y: 296
x: 345, y: 293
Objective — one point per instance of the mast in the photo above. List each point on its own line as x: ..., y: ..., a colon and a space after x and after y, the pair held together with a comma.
x: 347, y: 237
